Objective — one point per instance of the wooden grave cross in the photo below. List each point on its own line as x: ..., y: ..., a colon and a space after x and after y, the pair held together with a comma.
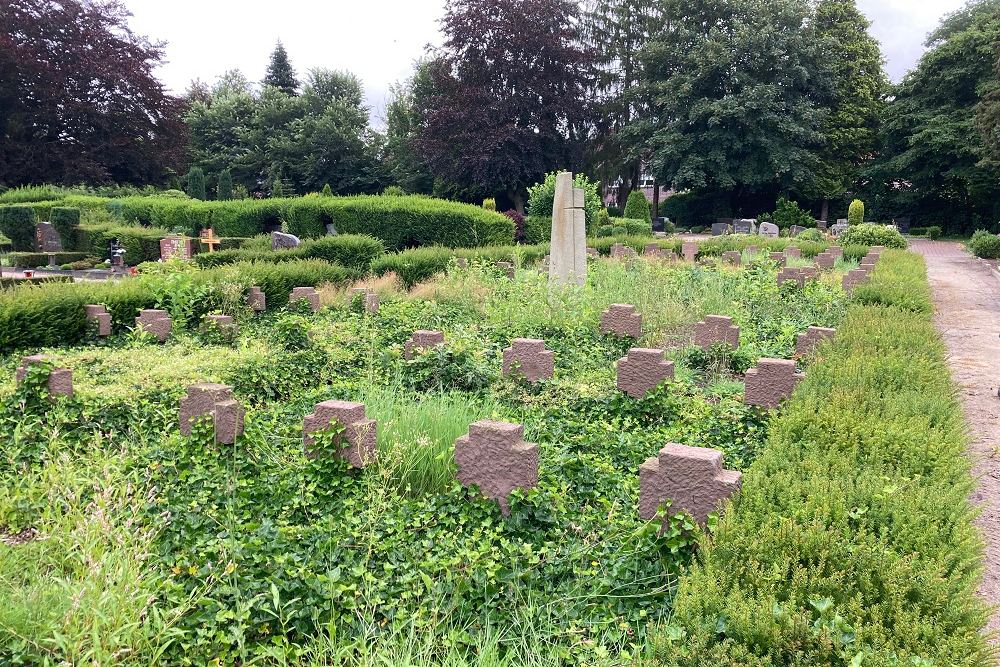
x: 208, y: 238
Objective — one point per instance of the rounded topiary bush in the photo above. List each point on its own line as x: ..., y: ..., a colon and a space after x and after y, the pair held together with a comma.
x: 542, y: 195
x: 984, y: 244
x: 856, y: 212
x: 870, y: 234
x: 637, y: 207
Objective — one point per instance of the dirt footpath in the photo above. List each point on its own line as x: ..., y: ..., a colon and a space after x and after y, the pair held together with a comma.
x: 967, y: 313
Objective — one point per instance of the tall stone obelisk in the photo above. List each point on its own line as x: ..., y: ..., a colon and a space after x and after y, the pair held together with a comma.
x: 568, y: 251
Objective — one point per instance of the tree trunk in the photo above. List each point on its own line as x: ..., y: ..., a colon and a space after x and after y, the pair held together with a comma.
x: 656, y: 198
x: 518, y: 199
x: 825, y: 210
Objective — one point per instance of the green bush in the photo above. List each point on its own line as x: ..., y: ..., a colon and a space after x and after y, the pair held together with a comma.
x: 852, y: 535
x: 871, y: 234
x: 537, y: 229
x: 196, y: 184
x: 788, y: 213
x: 31, y: 193
x: 18, y: 224
x: 637, y: 207
x: 348, y: 250
x: 65, y: 219
x: 984, y: 244
x: 420, y: 264
x: 224, y: 190
x: 810, y: 235
x: 490, y: 204
x: 141, y: 244
x: 30, y: 260
x: 401, y: 221
x: 934, y: 232
x: 541, y: 198
x: 856, y: 212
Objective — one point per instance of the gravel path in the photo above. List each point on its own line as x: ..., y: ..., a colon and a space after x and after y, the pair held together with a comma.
x: 967, y: 313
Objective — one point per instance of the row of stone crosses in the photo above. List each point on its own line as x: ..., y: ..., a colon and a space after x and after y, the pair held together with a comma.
x: 494, y: 456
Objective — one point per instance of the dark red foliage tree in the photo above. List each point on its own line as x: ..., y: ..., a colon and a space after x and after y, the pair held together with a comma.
x: 78, y: 99
x: 508, y: 95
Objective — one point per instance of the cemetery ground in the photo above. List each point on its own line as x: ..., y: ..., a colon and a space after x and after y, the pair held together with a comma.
x: 126, y: 541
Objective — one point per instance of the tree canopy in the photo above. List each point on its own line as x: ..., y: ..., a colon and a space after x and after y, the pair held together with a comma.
x: 280, y: 73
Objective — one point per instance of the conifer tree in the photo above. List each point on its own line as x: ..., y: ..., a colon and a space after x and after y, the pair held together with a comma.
x: 225, y: 188
x: 196, y: 183
x: 280, y: 73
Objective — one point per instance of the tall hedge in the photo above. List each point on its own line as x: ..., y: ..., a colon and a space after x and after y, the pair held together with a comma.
x: 353, y: 251
x: 65, y: 219
x: 852, y: 540
x: 18, y: 224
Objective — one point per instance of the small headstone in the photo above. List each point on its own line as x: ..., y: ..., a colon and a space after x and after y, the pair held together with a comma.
x: 838, y: 229
x: 507, y: 268
x: 842, y: 221
x: 745, y: 226
x: 422, y: 339
x: 622, y: 251
x: 225, y: 324
x: 786, y: 275
x: 369, y: 299
x: 495, y: 457
x: 652, y: 250
x: 768, y: 230
x: 60, y: 381
x: 825, y: 260
x: 779, y: 257
x: 793, y: 251
x: 175, y: 247
x: 836, y: 251
x: 356, y: 442
x: 642, y: 371
x: 732, y: 257
x: 592, y: 252
x: 689, y: 249
x: 47, y: 238
x: 716, y: 329
x: 752, y: 250
x: 528, y: 358
x: 795, y: 230
x: 257, y: 300
x: 157, y: 323
x: 99, y: 317
x: 691, y: 478
x: 215, y: 400
x: 821, y: 225
x: 806, y: 342
x: 770, y: 382
x: 721, y: 228
x: 307, y: 294
x: 853, y: 278
x: 621, y: 319
x: 282, y: 241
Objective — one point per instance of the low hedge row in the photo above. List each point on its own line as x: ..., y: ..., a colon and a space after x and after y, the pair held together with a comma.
x: 419, y: 264
x: 852, y: 540
x: 51, y: 314
x: 353, y: 251
x: 9, y: 283
x: 141, y: 244
x: 30, y: 260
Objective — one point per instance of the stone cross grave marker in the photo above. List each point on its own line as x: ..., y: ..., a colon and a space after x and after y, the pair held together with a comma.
x: 157, y: 323
x: 175, y: 247
x: 689, y: 249
x: 507, y: 268
x: 422, y: 339
x: 356, y: 442
x: 778, y: 257
x: 825, y: 260
x: 806, y: 342
x: 209, y: 240
x: 369, y: 299
x: 99, y: 318
x: 642, y: 371
x: 569, y: 233
x: 495, y: 457
x: 732, y: 257
x: 256, y: 299
x: 853, y: 278
x: 528, y: 358
x: 622, y: 320
x: 307, y: 294
x: 716, y: 329
x: 691, y: 478
x: 224, y: 323
x: 770, y: 382
x: 60, y: 380
x: 215, y: 400
x: 793, y: 251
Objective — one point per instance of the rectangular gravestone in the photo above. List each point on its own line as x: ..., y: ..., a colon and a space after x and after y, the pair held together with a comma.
x: 175, y: 247
x: 745, y: 226
x: 47, y: 238
x: 721, y: 228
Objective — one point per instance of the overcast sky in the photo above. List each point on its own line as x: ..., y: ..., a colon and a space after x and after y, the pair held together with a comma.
x: 379, y: 39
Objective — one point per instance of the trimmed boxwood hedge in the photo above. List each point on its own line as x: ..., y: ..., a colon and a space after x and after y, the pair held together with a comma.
x: 353, y: 251
x: 18, y: 224
x: 419, y: 264
x: 30, y: 260
x: 65, y: 219
x: 852, y: 540
x: 51, y: 314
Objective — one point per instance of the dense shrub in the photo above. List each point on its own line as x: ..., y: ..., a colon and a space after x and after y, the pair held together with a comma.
x: 348, y: 250
x: 810, y: 235
x: 541, y: 198
x: 933, y: 232
x: 400, y: 221
x: 537, y: 229
x: 196, y: 183
x: 30, y: 260
x: 984, y: 244
x: 65, y: 219
x: 224, y: 189
x: 141, y: 244
x: 871, y: 234
x: 853, y: 534
x: 637, y: 207
x: 625, y: 227
x: 788, y: 213
x: 518, y: 220
x: 419, y: 264
x: 856, y: 212
x: 18, y: 224
x: 31, y: 193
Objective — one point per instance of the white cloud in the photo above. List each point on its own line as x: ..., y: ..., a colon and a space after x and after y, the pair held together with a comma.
x: 902, y: 26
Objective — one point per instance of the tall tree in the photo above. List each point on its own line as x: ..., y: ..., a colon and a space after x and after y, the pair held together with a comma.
x: 78, y: 98
x: 508, y: 95
x: 736, y: 90
x: 403, y: 122
x: 935, y: 164
x: 616, y: 32
x: 280, y: 73
x: 860, y: 86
